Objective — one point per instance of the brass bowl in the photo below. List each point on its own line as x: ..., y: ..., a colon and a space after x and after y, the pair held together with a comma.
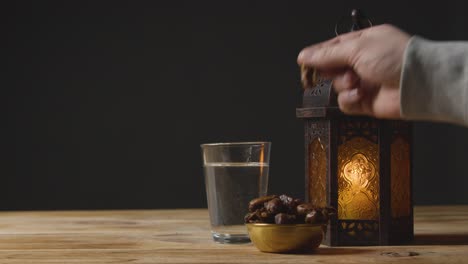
x: 286, y: 238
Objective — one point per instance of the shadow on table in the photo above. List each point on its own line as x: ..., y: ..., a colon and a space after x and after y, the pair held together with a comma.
x: 441, y: 239
x: 338, y: 251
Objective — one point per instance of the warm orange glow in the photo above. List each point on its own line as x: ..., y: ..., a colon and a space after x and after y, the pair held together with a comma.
x: 358, y: 180
x: 358, y: 172
x: 262, y: 159
x: 400, y: 178
x: 317, y: 173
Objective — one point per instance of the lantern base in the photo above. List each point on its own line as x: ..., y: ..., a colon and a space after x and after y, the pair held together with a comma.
x: 369, y: 233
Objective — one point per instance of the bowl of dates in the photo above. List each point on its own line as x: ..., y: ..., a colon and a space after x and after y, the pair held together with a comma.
x: 283, y: 224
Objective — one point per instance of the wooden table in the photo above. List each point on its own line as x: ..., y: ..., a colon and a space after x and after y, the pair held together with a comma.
x: 183, y: 236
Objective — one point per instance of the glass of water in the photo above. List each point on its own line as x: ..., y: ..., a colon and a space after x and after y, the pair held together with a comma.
x: 235, y: 173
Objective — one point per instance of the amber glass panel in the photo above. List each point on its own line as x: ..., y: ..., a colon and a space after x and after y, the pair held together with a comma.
x: 400, y: 178
x: 358, y: 180
x: 317, y: 173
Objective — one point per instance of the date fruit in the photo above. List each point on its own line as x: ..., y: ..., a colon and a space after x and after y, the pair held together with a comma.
x: 284, y: 209
x: 274, y: 206
x: 259, y: 202
x: 283, y: 219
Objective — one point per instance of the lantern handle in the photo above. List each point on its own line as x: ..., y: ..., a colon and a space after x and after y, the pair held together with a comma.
x: 358, y: 21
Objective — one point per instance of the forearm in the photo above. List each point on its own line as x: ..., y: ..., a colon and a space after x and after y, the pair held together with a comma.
x: 434, y: 81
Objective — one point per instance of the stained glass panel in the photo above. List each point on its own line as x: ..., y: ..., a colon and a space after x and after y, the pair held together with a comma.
x: 400, y: 178
x: 317, y: 173
x: 358, y: 180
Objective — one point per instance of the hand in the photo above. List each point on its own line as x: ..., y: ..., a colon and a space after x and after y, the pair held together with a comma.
x: 365, y: 67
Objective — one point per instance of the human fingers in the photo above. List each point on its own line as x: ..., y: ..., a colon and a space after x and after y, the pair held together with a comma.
x: 331, y: 73
x: 349, y: 102
x: 334, y: 53
x: 347, y: 80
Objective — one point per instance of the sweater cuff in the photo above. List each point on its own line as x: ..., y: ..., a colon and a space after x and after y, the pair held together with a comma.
x: 414, y: 97
x: 434, y: 79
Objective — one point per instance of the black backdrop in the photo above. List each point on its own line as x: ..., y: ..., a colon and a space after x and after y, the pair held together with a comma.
x: 107, y: 103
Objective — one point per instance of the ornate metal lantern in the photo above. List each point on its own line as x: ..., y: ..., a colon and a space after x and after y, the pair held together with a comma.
x: 359, y: 165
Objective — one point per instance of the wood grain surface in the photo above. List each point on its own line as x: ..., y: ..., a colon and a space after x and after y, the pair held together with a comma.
x: 183, y: 236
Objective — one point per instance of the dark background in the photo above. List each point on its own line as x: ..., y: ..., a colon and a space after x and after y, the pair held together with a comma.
x: 107, y: 103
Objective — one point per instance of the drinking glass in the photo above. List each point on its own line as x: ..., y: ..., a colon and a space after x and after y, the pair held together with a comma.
x: 235, y: 173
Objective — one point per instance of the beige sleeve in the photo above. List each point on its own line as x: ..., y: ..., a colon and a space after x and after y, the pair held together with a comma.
x: 434, y: 81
